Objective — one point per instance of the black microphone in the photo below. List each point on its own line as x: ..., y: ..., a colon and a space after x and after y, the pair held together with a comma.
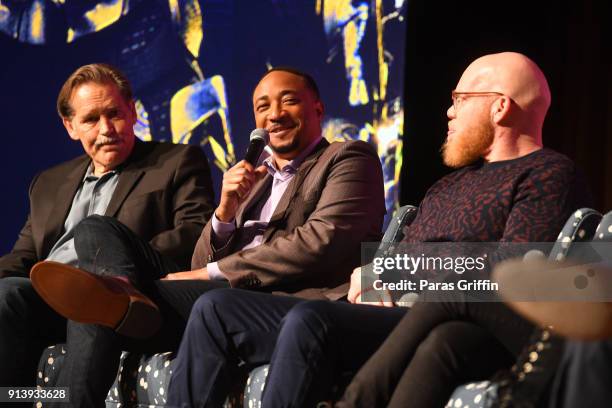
x: 259, y: 139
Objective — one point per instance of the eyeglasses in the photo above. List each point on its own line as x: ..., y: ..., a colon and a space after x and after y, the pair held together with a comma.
x: 458, y: 97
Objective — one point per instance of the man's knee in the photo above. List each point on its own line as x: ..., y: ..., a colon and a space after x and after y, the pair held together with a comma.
x: 95, y: 224
x: 311, y: 316
x: 210, y: 302
x: 95, y: 231
x: 449, y: 339
x: 12, y: 285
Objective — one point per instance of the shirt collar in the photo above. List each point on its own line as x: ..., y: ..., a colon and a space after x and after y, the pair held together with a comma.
x: 89, y: 173
x: 294, y: 164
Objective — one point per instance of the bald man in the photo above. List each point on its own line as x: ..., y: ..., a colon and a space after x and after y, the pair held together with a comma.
x: 508, y: 188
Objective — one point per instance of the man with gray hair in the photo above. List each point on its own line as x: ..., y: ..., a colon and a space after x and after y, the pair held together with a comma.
x: 161, y: 192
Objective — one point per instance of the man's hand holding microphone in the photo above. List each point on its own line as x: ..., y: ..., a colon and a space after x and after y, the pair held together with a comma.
x: 237, y: 183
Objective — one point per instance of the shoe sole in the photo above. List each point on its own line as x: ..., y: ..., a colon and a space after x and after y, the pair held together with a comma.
x: 587, y: 321
x: 545, y: 293
x: 96, y: 304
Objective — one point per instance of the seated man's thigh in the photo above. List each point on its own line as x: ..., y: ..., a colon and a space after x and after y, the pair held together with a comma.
x: 453, y: 353
x: 351, y: 332
x: 244, y: 321
x: 462, y: 349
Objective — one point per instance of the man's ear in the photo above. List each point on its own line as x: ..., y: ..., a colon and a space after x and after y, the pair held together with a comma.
x: 501, y: 110
x: 132, y: 105
x: 320, y: 109
x: 69, y: 128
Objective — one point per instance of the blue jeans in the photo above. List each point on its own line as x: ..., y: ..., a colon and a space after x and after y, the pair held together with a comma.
x: 107, y: 247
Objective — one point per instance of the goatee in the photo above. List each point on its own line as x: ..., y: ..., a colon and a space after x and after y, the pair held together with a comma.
x: 294, y: 145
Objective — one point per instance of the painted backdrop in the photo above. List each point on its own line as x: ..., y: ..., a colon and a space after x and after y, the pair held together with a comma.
x: 193, y: 65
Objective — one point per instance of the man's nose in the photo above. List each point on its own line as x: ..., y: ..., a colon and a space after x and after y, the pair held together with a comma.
x: 276, y: 112
x: 450, y: 112
x: 106, y: 126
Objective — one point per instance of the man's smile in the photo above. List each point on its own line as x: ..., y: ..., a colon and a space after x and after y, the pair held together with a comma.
x: 281, y: 130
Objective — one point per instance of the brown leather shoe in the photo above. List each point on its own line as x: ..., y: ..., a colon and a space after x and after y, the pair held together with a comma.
x: 88, y: 298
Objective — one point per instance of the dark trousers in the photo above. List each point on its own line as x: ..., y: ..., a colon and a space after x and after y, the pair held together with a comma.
x: 443, y: 342
x: 27, y: 326
x: 104, y: 246
x: 584, y: 376
x: 309, y: 345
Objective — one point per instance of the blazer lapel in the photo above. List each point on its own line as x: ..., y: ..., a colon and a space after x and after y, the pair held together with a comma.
x: 127, y: 180
x: 128, y: 177
x: 61, y: 207
x: 260, y: 187
x: 294, y: 186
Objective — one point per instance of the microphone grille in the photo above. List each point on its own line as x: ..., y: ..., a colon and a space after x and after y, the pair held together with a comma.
x: 260, y: 133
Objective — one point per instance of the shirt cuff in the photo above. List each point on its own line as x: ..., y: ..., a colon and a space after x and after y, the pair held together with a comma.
x: 214, y: 273
x: 222, y: 231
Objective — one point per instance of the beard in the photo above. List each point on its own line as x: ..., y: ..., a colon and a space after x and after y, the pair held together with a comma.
x: 287, y: 148
x: 469, y: 146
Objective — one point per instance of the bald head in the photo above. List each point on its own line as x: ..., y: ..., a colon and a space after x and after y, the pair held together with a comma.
x: 512, y: 74
x: 498, y: 110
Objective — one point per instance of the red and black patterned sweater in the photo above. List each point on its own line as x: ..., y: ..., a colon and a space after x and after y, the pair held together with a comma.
x: 521, y: 200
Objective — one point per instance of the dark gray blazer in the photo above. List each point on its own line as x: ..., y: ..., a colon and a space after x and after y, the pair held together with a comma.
x: 312, y: 243
x: 164, y: 195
